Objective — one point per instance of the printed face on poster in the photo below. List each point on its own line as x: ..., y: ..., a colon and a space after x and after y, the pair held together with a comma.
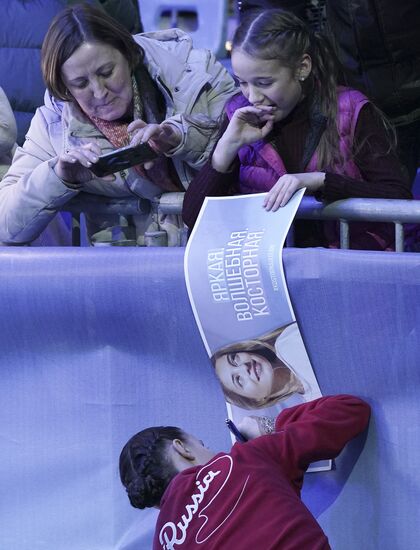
x: 239, y: 296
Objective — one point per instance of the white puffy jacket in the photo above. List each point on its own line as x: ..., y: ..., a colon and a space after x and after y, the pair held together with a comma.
x: 195, y: 87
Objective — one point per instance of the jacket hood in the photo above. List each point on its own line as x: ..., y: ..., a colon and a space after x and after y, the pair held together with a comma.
x: 173, y: 62
x: 52, y: 103
x: 165, y: 51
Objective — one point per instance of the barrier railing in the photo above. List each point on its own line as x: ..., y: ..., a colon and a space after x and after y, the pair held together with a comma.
x: 394, y: 211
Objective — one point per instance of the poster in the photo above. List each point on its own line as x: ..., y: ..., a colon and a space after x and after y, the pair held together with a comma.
x: 238, y: 293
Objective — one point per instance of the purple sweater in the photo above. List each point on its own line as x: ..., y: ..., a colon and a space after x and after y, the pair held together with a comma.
x: 382, y: 174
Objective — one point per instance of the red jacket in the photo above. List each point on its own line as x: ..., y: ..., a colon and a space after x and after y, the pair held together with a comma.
x: 250, y: 498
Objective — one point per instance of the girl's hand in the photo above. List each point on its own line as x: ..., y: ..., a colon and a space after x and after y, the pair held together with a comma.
x: 288, y: 184
x: 250, y: 427
x: 73, y: 165
x: 247, y: 125
x: 254, y: 426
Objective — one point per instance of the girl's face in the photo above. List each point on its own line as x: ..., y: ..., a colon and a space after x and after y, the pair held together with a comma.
x: 99, y: 78
x: 267, y: 82
x: 245, y: 373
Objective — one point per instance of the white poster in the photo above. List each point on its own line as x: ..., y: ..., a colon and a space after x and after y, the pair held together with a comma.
x: 237, y: 288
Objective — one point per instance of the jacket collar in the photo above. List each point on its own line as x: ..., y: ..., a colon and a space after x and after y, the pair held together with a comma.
x: 317, y: 125
x: 77, y: 123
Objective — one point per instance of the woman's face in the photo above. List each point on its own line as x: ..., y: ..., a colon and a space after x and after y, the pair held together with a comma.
x: 245, y: 373
x: 267, y: 82
x: 99, y: 78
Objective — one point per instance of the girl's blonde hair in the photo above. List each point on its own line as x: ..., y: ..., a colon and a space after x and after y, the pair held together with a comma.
x: 264, y: 346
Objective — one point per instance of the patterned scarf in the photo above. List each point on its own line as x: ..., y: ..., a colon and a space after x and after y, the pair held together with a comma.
x: 162, y: 173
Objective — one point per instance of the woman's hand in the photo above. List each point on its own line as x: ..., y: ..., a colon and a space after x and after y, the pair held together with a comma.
x: 250, y: 427
x: 161, y: 137
x: 254, y: 426
x: 247, y: 125
x: 288, y: 184
x: 73, y: 165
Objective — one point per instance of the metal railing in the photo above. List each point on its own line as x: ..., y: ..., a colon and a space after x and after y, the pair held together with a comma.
x: 395, y: 211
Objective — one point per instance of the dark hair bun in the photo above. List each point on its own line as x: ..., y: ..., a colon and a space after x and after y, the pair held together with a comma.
x: 145, y: 492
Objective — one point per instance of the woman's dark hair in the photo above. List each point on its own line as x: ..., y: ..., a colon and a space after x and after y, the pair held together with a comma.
x: 278, y: 34
x: 145, y: 467
x: 69, y: 30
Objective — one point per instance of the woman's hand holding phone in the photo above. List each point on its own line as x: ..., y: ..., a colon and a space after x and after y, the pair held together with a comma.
x: 78, y: 165
x: 74, y: 165
x: 161, y: 137
x: 123, y: 158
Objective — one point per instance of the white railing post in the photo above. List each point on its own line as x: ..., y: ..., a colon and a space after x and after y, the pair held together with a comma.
x: 344, y: 234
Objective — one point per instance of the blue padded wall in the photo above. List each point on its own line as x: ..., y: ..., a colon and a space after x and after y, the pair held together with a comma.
x: 96, y: 344
x: 99, y: 343
x: 360, y: 319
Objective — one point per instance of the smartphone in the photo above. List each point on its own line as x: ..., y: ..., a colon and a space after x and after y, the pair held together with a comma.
x: 123, y: 158
x: 239, y: 437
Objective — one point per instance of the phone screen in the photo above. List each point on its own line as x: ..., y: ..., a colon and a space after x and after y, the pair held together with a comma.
x: 123, y: 158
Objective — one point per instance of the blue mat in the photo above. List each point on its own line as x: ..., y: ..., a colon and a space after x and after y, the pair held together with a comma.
x: 99, y: 343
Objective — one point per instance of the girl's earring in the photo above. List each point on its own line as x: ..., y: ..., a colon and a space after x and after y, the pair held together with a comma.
x: 302, y: 78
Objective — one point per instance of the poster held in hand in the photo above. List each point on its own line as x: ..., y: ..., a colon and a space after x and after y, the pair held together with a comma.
x: 238, y: 293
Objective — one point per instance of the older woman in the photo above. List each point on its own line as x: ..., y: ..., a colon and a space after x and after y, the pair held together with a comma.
x: 259, y: 373
x: 106, y: 89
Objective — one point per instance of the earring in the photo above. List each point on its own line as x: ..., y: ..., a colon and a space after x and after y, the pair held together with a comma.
x: 302, y: 78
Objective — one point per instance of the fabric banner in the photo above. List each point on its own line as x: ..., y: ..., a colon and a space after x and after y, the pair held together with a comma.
x: 238, y: 292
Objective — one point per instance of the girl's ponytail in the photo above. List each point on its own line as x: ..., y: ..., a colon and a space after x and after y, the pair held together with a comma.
x: 325, y: 66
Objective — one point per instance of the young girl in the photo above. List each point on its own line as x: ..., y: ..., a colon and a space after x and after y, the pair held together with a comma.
x: 292, y: 126
x: 248, y: 498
